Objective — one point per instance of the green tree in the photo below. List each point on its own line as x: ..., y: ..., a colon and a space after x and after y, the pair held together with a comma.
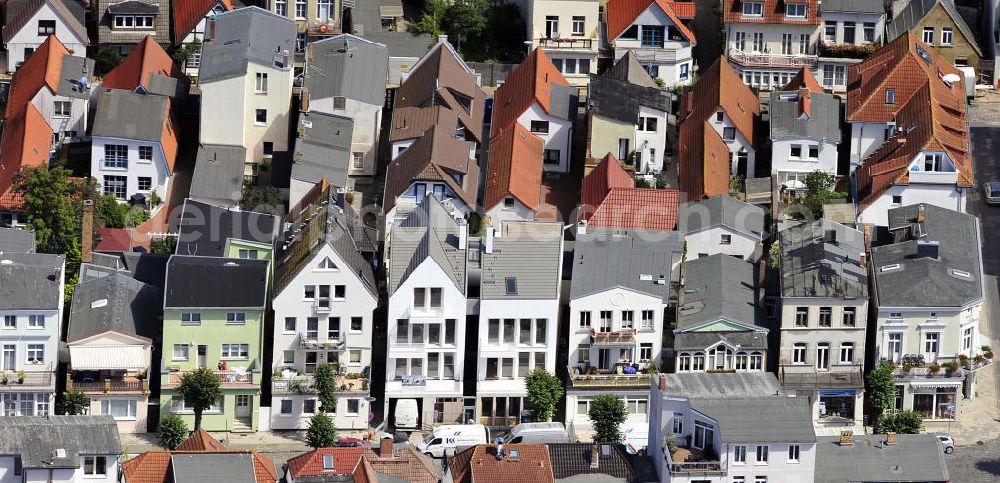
x: 72, y: 403
x: 607, y: 413
x: 200, y: 389
x: 325, y: 382
x: 165, y: 246
x: 466, y: 19
x: 105, y: 60
x: 503, y: 38
x: 819, y: 185
x: 544, y: 392
x: 108, y: 212
x: 881, y: 393
x: 264, y: 199
x: 432, y: 18
x: 321, y: 433
x: 172, y: 431
x: 903, y: 422
x: 182, y: 53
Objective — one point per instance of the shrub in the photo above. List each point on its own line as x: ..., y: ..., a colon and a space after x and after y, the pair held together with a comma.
x: 172, y: 431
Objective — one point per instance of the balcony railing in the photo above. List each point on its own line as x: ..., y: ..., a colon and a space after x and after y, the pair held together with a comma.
x: 313, y: 343
x: 581, y: 381
x: 758, y: 59
x: 807, y: 377
x: 847, y: 51
x: 173, y: 378
x: 624, y: 337
x: 913, y: 367
x: 109, y: 385
x: 30, y: 379
x: 306, y: 384
x: 565, y: 43
x: 691, y: 461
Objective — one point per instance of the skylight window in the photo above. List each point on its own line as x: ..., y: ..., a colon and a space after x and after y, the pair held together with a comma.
x: 889, y: 268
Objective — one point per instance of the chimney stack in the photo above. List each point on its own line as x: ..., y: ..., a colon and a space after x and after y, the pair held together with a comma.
x: 385, y: 448
x: 87, y: 232
x: 499, y: 448
x: 595, y: 456
x: 921, y: 215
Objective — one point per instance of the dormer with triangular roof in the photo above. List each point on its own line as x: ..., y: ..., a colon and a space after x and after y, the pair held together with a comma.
x: 29, y: 22
x: 653, y: 32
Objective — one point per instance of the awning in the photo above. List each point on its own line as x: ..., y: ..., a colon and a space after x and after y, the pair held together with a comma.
x: 837, y: 392
x: 129, y: 358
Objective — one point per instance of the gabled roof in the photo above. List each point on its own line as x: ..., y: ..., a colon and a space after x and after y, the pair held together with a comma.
x: 602, y: 262
x: 231, y: 51
x: 823, y: 259
x: 721, y: 210
x: 907, y: 19
x: 138, y: 68
x: 117, y: 117
x: 570, y: 460
x: 187, y: 14
x: 804, y: 114
x: 531, y: 256
x: 804, y: 80
x: 704, y: 164
x: 345, y: 461
x: 408, y: 465
x: 621, y: 14
x: 17, y: 240
x: 436, y: 156
x: 210, y: 282
x: 218, y: 172
x: 621, y: 101
x: 429, y: 232
x: 640, y: 209
x: 347, y: 66
x: 773, y: 12
x: 628, y: 69
x: 482, y: 464
x: 533, y: 80
x: 36, y: 438
x: 721, y: 385
x: 200, y: 440
x: 30, y: 281
x: 717, y: 287
x: 874, y: 7
x: 607, y: 175
x: 20, y: 12
x: 200, y: 458
x: 114, y: 302
x: 776, y: 419
x: 205, y: 229
x: 322, y: 148
x: 515, y: 168
x: 913, y: 457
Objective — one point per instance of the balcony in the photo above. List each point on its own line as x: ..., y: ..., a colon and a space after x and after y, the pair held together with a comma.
x: 682, y: 461
x: 306, y: 384
x: 567, y: 43
x: 131, y: 384
x: 625, y: 337
x: 913, y: 367
x: 806, y: 377
x: 230, y: 378
x: 578, y: 380
x: 11, y: 381
x: 661, y: 55
x: 313, y: 343
x: 847, y: 51
x: 757, y: 59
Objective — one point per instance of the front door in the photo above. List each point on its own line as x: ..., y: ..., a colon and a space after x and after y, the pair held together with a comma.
x: 202, y: 356
x: 243, y: 405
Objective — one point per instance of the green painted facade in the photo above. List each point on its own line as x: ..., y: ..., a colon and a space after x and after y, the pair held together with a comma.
x: 264, y: 252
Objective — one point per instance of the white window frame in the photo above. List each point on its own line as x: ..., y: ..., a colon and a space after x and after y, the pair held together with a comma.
x: 947, y: 36
x: 234, y: 352
x: 182, y: 355
x: 796, y: 11
x: 753, y: 9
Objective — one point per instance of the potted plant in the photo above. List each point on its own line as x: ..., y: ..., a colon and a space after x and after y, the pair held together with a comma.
x: 951, y: 366
x: 934, y: 368
x: 671, y: 443
x: 5, y: 378
x: 988, y: 352
x: 964, y: 361
x: 20, y: 376
x: 979, y: 359
x: 141, y: 375
x: 906, y: 368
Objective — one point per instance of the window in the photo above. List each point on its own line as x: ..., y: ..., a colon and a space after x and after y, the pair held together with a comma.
x: 286, y: 406
x: 358, y: 160
x: 890, y: 96
x: 289, y: 324
x: 759, y: 479
x: 260, y: 86
x: 46, y: 27
x: 830, y: 31
x: 786, y: 44
x: 540, y: 127
x: 95, y: 465
x: 799, y: 353
x: 628, y: 319
x: 578, y: 25
x: 931, y: 343
x: 190, y: 319
x: 353, y: 406
x: 605, y: 321
x: 729, y: 133
x: 823, y: 355
x: 583, y: 353
x: 741, y: 44
x: 62, y: 108
x: 288, y: 357
x: 685, y: 71
x: 333, y: 328
x: 897, y: 199
x: 508, y: 331
x: 36, y: 321
x: 324, y: 10
x: 834, y: 75
x: 967, y: 339
x: 762, y: 454
x: 235, y: 351
x: 119, y: 408
x: 814, y: 151
x: 739, y: 455
x: 133, y: 21
x: 551, y: 26
x: 869, y: 32
x: 36, y: 354
x: 181, y: 352
x: 796, y: 151
x: 585, y: 318
x: 300, y: 9
x: 850, y: 316
x: 849, y: 30
x: 237, y: 318
x: 802, y: 316
x: 647, y: 319
x: 540, y: 330
x: 281, y: 7
x: 146, y: 154
x: 354, y: 356
x: 677, y: 423
x: 646, y: 351
x: 116, y: 156
x: 825, y: 316
x: 726, y: 239
x: 703, y: 434
x: 551, y: 156
x: 449, y: 331
x: 846, y: 352
x: 758, y: 42
x: 928, y: 35
x: 357, y: 323
x: 115, y: 186
x: 309, y: 406
x: 795, y: 10
x: 261, y: 116
x: 753, y: 9
x: 652, y: 36
x: 647, y: 124
x: 10, y: 321
x: 145, y: 183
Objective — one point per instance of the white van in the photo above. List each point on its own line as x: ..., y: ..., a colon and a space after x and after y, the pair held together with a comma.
x: 537, y: 433
x: 635, y: 438
x: 407, y: 415
x: 451, y: 438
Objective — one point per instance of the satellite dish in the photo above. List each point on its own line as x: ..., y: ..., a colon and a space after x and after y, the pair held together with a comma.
x: 951, y: 78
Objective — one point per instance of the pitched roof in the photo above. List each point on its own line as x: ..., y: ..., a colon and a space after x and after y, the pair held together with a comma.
x: 213, y: 467
x: 138, y: 68
x: 704, y: 164
x: 721, y: 210
x: 804, y: 114
x: 347, y: 66
x: 531, y: 256
x: 721, y: 385
x: 36, y: 438
x: 514, y: 168
x: 20, y: 12
x: 436, y: 156
x: 345, y: 461
x: 602, y: 262
x: 107, y: 9
x: 777, y: 419
x: 823, y: 259
x: 31, y: 281
x: 482, y: 464
x: 621, y: 101
x: 621, y: 14
x: 116, y: 118
x: 367, y: 23
x: 408, y: 466
x: 429, y: 232
x: 685, y: 10
x: 607, y: 175
x: 628, y: 69
x: 230, y: 53
x: 910, y: 16
x: 914, y: 457
x: 210, y: 282
x: 717, y: 287
x: 205, y: 229
x: 773, y: 12
x: 17, y: 240
x: 804, y: 80
x: 200, y: 458
x: 129, y: 306
x: 573, y: 459
x: 322, y: 148
x: 218, y: 172
x: 533, y: 80
x: 646, y: 209
x: 200, y: 440
x: 188, y: 13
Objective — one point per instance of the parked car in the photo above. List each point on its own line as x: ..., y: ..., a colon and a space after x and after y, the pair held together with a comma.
x: 537, y: 433
x: 453, y: 438
x: 947, y: 442
x: 991, y: 192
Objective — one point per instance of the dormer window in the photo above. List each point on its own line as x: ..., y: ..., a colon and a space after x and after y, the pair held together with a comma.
x: 142, y: 22
x: 753, y: 9
x: 890, y: 96
x: 795, y: 10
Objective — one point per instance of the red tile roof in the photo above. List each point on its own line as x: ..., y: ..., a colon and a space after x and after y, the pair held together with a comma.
x: 530, y: 82
x: 345, y: 461
x: 684, y: 10
x: 146, y: 59
x: 187, y: 14
x: 637, y: 208
x: 515, y: 167
x: 804, y: 80
x: 148, y: 467
x: 773, y: 12
x: 931, y: 117
x: 621, y: 14
x: 704, y: 164
x: 409, y: 465
x: 608, y: 175
x: 154, y: 466
x: 27, y: 137
x: 200, y: 440
x: 480, y: 464
x: 113, y: 240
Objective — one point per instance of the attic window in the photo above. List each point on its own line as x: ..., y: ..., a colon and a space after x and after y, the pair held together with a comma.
x: 889, y: 268
x: 464, y: 101
x: 328, y: 462
x: 645, y: 277
x: 890, y: 96
x: 339, y: 103
x: 961, y: 274
x: 327, y: 264
x: 514, y: 454
x: 511, y: 285
x: 99, y: 303
x: 924, y: 54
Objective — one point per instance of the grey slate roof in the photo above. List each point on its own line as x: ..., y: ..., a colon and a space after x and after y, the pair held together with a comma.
x: 628, y: 69
x: 620, y: 100
x: 707, y: 385
x: 428, y: 232
x: 106, y: 9
x: 130, y: 306
x: 914, y: 457
x: 717, y: 287
x: 245, y: 35
x: 20, y: 12
x: 209, y: 282
x: 533, y: 261
x: 563, y: 101
x: 347, y: 66
x: 218, y: 172
x: 573, y: 459
x: 30, y: 281
x: 721, y: 210
x: 916, y: 10
x: 602, y: 262
x: 368, y: 24
x: 823, y: 259
x: 922, y: 280
x: 822, y: 123
x: 704, y: 340
x: 35, y: 438
x: 205, y: 229
x: 322, y: 148
x: 213, y: 467
x: 118, y: 115
x: 73, y: 69
x: 854, y: 6
x: 777, y: 419
x: 16, y: 240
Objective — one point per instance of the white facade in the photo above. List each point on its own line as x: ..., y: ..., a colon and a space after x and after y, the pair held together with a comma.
x: 508, y: 209
x: 569, y: 33
x: 866, y: 137
x: 720, y: 239
x: 668, y: 58
x: 63, y: 475
x: 34, y: 33
x: 904, y: 330
x: 651, y: 139
x: 557, y: 135
x: 364, y: 138
x: 143, y: 176
x: 931, y: 184
x: 740, y: 148
x: 768, y: 55
x: 792, y: 159
x: 309, y: 331
x: 71, y: 126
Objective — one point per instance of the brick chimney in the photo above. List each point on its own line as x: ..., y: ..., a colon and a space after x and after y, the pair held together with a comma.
x: 385, y: 448
x: 87, y: 232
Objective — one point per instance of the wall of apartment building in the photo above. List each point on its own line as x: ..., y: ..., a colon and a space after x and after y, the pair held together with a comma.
x: 558, y: 137
x: 709, y: 242
x: 773, y: 37
x: 943, y: 195
x: 364, y: 139
x: 914, y: 323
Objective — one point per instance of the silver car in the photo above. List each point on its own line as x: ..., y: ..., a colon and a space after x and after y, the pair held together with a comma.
x: 947, y: 442
x: 991, y: 192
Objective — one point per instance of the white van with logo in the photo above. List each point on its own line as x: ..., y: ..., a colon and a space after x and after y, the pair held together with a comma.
x: 537, y: 433
x: 452, y: 438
